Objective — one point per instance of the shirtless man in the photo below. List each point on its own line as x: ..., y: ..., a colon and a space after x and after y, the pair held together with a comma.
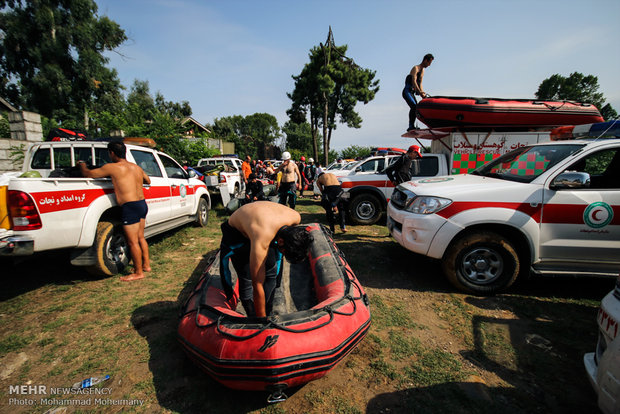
x: 127, y: 179
x: 331, y: 201
x: 413, y: 86
x: 254, y: 239
x: 290, y: 177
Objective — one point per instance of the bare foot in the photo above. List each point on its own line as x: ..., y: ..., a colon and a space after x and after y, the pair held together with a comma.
x: 146, y: 268
x: 344, y: 230
x: 132, y: 277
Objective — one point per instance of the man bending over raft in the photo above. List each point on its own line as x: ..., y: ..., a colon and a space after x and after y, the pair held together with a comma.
x: 254, y: 239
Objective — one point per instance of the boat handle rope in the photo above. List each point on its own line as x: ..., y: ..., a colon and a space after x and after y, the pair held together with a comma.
x: 273, y: 324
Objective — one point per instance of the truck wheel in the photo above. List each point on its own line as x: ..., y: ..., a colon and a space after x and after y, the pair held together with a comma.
x: 202, y: 213
x: 237, y: 191
x: 481, y: 263
x: 111, y: 249
x: 365, y: 209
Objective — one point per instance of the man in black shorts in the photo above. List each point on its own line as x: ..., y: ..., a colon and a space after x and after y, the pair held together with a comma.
x: 331, y: 201
x: 127, y: 179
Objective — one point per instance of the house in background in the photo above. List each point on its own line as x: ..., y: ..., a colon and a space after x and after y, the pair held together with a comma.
x: 193, y: 127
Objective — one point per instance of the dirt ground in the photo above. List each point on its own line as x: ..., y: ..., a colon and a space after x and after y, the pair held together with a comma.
x: 430, y: 349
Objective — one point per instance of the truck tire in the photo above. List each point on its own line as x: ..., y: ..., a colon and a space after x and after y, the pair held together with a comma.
x: 237, y: 191
x: 365, y: 209
x: 202, y: 213
x: 111, y: 249
x: 481, y: 263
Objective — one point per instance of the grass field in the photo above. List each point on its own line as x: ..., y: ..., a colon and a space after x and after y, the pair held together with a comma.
x: 429, y: 350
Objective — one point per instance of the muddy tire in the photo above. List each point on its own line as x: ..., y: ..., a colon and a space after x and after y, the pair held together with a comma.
x: 111, y: 249
x: 202, y: 213
x: 481, y: 263
x: 365, y: 209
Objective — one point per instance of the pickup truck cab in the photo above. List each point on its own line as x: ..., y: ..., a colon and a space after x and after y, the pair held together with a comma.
x: 551, y: 208
x: 63, y: 210
x: 370, y: 190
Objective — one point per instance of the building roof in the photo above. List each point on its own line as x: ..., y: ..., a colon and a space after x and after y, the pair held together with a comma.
x: 7, y: 106
x: 198, y: 125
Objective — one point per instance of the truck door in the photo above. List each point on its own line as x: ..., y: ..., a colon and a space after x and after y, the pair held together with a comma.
x: 583, y: 224
x: 158, y: 194
x: 182, y: 194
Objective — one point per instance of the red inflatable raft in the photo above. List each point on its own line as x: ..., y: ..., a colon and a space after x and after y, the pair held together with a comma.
x: 320, y: 313
x: 443, y: 111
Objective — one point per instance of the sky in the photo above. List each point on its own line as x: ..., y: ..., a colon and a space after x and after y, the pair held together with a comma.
x: 237, y: 57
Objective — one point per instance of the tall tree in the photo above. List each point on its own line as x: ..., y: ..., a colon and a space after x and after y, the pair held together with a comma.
x: 329, y: 87
x: 51, y: 56
x: 576, y: 87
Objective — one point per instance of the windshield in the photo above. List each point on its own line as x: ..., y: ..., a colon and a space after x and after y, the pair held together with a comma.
x: 526, y: 163
x: 351, y: 165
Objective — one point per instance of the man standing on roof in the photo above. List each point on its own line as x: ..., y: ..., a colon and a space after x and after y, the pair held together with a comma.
x: 127, y: 179
x: 413, y: 86
x: 290, y: 177
x: 400, y: 170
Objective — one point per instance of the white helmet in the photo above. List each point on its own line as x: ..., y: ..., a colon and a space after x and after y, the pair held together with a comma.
x: 286, y: 156
x: 311, y: 160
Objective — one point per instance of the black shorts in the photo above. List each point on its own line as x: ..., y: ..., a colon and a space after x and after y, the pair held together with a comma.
x: 133, y: 211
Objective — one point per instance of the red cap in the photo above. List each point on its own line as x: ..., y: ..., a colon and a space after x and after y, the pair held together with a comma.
x: 415, y: 149
x: 303, y: 158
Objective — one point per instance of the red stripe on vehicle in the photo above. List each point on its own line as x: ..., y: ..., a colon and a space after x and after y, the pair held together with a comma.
x: 51, y: 201
x: 461, y: 206
x: 553, y: 213
x: 379, y: 184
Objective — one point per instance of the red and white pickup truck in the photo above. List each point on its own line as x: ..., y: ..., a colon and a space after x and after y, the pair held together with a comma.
x: 62, y: 210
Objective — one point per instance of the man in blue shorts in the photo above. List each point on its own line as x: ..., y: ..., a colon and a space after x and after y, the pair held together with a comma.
x: 127, y: 179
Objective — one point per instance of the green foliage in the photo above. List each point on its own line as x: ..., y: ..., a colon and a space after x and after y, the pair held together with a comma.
x: 5, y: 131
x: 185, y: 151
x: 298, y: 136
x: 17, y: 153
x: 576, y: 87
x: 355, y: 151
x: 52, y: 57
x: 251, y: 134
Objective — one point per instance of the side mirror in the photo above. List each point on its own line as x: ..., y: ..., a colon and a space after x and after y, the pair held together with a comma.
x: 571, y: 180
x: 191, y: 173
x: 358, y: 169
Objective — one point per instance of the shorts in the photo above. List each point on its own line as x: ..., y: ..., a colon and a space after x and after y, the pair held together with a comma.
x: 133, y: 211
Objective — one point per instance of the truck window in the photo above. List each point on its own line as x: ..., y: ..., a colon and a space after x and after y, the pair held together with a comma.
x: 603, y: 167
x: 173, y: 170
x: 83, y: 154
x: 425, y: 167
x: 102, y: 156
x: 62, y: 157
x: 372, y: 165
x: 41, y: 160
x: 526, y: 163
x: 147, y: 161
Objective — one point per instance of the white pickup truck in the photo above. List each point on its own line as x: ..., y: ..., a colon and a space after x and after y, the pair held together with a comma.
x: 229, y: 183
x: 62, y: 210
x: 370, y: 191
x: 551, y: 208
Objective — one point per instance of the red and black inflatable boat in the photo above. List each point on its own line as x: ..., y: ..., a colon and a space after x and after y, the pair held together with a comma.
x: 445, y: 111
x: 320, y: 314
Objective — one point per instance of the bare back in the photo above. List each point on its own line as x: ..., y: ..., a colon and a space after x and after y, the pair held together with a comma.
x: 328, y: 179
x: 127, y: 178
x: 260, y: 221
